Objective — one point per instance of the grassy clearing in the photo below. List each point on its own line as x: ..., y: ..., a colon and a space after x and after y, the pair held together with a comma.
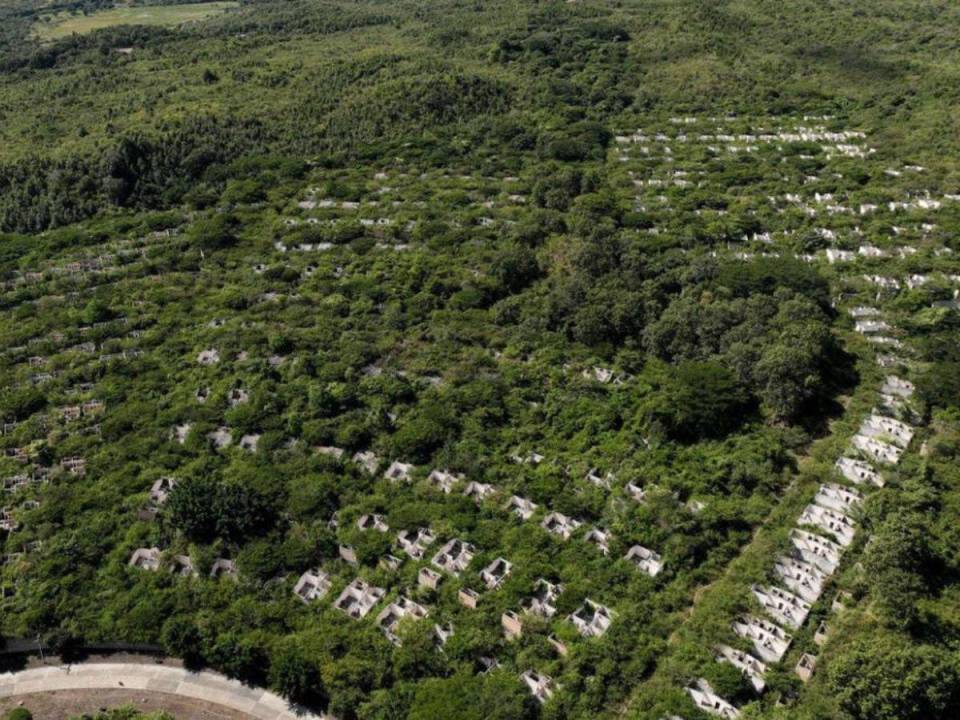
x: 65, y: 24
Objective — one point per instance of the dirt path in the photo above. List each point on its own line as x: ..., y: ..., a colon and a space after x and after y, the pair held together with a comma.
x: 58, y: 691
x: 63, y: 704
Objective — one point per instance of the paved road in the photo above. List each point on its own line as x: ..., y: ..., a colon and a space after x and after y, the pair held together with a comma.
x: 208, y: 686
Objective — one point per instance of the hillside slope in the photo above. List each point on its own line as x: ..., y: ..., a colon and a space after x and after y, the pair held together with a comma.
x: 488, y: 360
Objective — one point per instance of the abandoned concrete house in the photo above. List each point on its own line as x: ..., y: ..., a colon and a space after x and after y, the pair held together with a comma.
x: 478, y: 491
x: 146, y: 559
x: 358, y: 598
x: 531, y: 458
x: 885, y: 341
x: 636, y: 492
x: 871, y: 251
x: 708, y: 701
x: 312, y: 585
x: 892, y: 403
x: 894, y: 385
x: 646, y: 560
x: 834, y: 255
x: 399, y: 472
x: 821, y: 634
x: 592, y: 619
x: 871, y: 327
x: 560, y: 525
x: 13, y: 483
x: 600, y: 538
x: 541, y: 686
x: 801, y: 577
x: 805, y: 667
x: 415, y: 542
x: 752, y: 669
x: 221, y: 437
x: 90, y: 407
x: 837, y: 497
x: 74, y: 465
x: 71, y: 413
x: 859, y: 472
x: 841, y: 601
x: 783, y: 606
x: 443, y: 480
x: 454, y: 557
x: 7, y: 520
x: 372, y: 522
x: 543, y: 600
x: 884, y: 282
x: 468, y: 598
x: 330, y: 451
x: 816, y: 550
x: 390, y: 563
x: 886, y: 360
x: 877, y: 449
x: 182, y: 566
x: 442, y: 633
x: 696, y: 506
x: 512, y: 625
x: 20, y: 454
x: 367, y: 460
x: 916, y: 280
x: 888, y: 429
x: 180, y: 432
x: 603, y: 482
x: 521, y: 507
x: 208, y: 357
x: 558, y: 645
x: 223, y: 567
x: 429, y: 578
x: 769, y: 641
x: 495, y: 573
x: 160, y: 490
x: 601, y: 375
x: 389, y: 618
x: 830, y: 521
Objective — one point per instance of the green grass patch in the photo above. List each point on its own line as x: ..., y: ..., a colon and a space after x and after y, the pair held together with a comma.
x: 66, y: 24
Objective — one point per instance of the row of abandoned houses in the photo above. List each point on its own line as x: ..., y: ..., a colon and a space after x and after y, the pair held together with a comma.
x: 359, y: 598
x: 556, y: 523
x: 826, y: 528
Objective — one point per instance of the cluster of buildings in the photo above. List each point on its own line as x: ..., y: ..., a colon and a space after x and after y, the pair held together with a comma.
x: 452, y: 558
x: 825, y: 529
x: 846, y: 143
x: 154, y: 559
x: 390, y: 217
x: 57, y: 362
x: 89, y: 268
x: 828, y: 526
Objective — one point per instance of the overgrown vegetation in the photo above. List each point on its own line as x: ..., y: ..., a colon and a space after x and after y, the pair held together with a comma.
x: 537, y: 246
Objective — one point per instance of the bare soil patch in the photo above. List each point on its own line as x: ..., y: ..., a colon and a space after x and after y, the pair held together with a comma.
x: 63, y: 704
